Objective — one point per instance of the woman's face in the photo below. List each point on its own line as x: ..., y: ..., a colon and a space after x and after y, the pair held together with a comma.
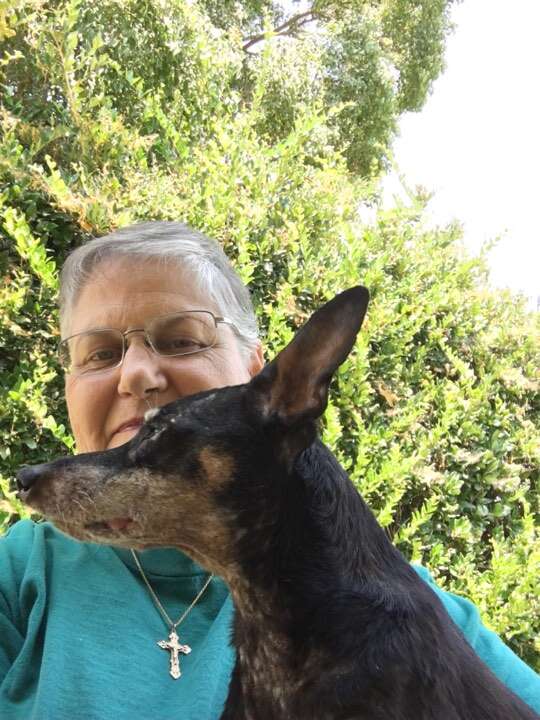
x: 107, y: 408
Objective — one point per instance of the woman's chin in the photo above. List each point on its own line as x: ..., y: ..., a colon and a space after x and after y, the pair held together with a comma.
x: 122, y: 437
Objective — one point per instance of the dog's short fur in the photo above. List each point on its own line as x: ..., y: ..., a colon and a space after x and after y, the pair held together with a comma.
x: 331, y: 622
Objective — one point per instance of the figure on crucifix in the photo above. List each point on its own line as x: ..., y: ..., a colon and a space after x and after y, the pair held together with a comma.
x: 174, y: 647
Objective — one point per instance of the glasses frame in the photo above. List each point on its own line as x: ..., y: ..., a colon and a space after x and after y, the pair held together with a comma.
x: 218, y: 319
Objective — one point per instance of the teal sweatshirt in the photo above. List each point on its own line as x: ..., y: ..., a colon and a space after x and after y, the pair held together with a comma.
x: 79, y: 632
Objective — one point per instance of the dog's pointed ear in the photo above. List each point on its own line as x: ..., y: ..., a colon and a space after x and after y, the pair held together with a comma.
x: 294, y: 386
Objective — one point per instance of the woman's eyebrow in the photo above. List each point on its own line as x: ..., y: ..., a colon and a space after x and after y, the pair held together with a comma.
x: 110, y: 321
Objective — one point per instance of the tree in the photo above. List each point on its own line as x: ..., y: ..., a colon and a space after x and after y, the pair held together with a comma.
x: 374, y: 58
x: 178, y: 110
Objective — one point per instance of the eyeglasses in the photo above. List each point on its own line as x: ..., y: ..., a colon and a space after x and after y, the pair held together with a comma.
x: 182, y: 333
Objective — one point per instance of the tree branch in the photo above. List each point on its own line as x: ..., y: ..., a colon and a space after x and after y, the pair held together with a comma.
x: 290, y: 26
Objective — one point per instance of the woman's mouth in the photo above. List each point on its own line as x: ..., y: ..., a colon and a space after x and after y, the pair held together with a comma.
x: 129, y: 425
x: 123, y: 434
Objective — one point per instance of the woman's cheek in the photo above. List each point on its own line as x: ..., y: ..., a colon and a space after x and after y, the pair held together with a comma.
x: 87, y: 410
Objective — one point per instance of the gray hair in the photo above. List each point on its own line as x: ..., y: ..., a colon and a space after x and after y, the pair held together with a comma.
x: 212, y: 271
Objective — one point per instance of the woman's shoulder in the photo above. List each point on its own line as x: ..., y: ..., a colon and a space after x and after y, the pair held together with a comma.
x: 508, y: 667
x: 22, y: 535
x: 29, y: 547
x: 22, y: 530
x: 35, y: 560
x: 17, y: 542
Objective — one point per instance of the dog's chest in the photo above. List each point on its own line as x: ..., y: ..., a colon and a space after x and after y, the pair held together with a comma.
x: 266, y: 669
x: 275, y: 685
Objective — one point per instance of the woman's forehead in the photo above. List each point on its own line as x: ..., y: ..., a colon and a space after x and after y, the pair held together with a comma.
x: 126, y: 294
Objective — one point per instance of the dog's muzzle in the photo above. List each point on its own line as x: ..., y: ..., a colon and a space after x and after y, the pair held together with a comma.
x: 28, y: 477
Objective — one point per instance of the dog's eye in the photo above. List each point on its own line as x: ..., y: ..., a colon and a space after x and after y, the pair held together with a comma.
x: 146, y: 445
x: 156, y: 432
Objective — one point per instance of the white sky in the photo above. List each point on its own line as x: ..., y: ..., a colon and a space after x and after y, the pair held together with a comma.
x: 476, y: 142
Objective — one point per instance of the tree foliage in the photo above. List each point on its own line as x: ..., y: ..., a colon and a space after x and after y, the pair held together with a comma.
x: 376, y: 59
x: 127, y: 110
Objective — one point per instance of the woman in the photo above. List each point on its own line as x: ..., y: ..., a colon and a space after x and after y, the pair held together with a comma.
x: 86, y: 631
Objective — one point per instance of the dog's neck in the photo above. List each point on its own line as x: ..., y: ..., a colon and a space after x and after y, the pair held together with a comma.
x: 314, y: 521
x: 298, y: 575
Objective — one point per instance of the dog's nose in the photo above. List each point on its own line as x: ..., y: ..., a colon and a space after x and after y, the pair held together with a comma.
x: 28, y: 477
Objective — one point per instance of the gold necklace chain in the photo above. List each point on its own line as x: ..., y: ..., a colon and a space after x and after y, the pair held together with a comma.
x: 173, y: 645
x: 168, y: 620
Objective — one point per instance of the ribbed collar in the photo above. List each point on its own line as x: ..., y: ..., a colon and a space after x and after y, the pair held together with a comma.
x: 161, y: 562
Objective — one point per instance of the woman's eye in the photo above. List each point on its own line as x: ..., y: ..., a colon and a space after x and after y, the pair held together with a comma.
x: 178, y: 344
x: 101, y: 355
x: 184, y: 342
x: 100, y: 358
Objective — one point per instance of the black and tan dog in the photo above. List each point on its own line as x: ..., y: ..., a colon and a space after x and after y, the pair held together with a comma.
x: 331, y: 622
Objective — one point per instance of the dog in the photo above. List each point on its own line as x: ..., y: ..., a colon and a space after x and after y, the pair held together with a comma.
x: 331, y: 622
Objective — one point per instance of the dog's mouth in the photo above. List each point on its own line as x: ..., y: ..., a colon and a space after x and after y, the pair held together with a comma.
x: 120, y: 524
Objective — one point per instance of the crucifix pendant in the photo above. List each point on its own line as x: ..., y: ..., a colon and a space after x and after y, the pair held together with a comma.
x: 174, y: 647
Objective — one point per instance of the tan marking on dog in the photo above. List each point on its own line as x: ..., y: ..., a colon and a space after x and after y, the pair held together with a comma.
x: 218, y: 466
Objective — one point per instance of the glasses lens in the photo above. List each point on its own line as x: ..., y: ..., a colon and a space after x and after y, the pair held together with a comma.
x: 92, y: 351
x: 183, y: 334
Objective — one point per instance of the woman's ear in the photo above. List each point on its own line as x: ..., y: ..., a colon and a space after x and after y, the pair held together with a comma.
x: 256, y: 360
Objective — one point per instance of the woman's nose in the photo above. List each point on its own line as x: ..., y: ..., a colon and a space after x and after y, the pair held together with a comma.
x: 141, y: 370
